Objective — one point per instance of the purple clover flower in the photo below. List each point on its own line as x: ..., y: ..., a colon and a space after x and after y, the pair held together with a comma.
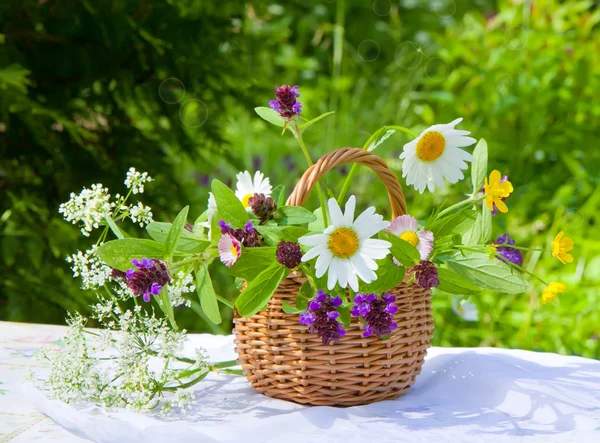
x: 377, y: 312
x: 248, y: 237
x: 289, y: 254
x: 148, y: 279
x: 511, y: 254
x: 426, y: 274
x: 286, y: 104
x: 321, y: 317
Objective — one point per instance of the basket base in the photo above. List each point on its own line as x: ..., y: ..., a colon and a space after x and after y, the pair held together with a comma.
x: 282, y: 360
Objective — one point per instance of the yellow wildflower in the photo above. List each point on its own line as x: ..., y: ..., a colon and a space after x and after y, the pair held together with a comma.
x: 561, y: 247
x: 552, y: 290
x: 495, y: 191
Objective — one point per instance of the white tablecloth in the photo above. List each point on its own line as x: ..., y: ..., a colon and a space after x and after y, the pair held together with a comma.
x: 462, y: 395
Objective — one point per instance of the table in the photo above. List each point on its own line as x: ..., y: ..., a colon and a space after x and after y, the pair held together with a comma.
x: 463, y: 394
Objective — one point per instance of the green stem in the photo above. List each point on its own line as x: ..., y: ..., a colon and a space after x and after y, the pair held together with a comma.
x: 224, y: 301
x: 520, y: 268
x: 460, y: 205
x: 365, y: 147
x: 225, y: 364
x: 323, y: 202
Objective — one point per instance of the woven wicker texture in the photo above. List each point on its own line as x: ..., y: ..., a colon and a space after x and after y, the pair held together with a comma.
x: 282, y: 360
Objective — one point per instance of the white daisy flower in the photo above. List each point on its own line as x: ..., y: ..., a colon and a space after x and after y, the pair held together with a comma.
x: 247, y: 187
x: 407, y: 228
x: 465, y: 309
x: 211, y: 211
x: 345, y: 249
x: 230, y: 250
x: 435, y: 155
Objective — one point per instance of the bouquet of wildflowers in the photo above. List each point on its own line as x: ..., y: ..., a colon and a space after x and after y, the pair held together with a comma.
x: 351, y: 260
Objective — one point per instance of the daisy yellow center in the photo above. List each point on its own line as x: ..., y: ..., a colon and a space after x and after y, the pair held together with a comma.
x: 343, y: 243
x: 410, y: 237
x: 431, y: 146
x: 233, y: 250
x: 246, y: 199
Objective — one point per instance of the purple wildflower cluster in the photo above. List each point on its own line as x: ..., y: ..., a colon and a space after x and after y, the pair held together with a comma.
x: 147, y: 278
x: 426, y: 274
x: 289, y: 254
x: 248, y: 237
x: 286, y: 104
x: 377, y: 312
x: 263, y: 207
x: 321, y: 317
x: 510, y: 254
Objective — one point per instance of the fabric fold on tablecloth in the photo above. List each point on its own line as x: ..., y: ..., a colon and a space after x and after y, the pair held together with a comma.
x: 462, y: 395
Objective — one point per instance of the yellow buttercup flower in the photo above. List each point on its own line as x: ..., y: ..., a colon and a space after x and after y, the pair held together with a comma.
x: 496, y: 190
x: 561, y: 247
x: 552, y: 290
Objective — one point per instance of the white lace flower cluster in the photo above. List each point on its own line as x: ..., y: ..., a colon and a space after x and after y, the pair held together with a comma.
x: 180, y: 285
x: 88, y: 207
x: 136, y: 368
x: 141, y: 214
x: 93, y: 272
x: 135, y: 180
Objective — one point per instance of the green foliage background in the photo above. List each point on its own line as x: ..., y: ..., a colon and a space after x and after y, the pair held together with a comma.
x: 88, y: 89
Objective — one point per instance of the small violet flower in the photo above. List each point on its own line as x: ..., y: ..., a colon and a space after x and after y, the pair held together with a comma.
x: 503, y: 248
x: 321, y: 318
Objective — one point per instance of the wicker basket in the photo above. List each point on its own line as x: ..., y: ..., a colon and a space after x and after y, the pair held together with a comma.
x: 282, y: 360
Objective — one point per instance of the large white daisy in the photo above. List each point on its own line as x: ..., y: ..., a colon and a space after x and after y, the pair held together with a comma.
x: 407, y: 228
x: 434, y: 155
x: 345, y: 249
x: 247, y: 187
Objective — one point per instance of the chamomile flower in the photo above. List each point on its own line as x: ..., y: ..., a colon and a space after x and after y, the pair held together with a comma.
x: 345, y: 250
x: 434, y: 155
x: 465, y: 309
x: 407, y: 228
x: 247, y: 187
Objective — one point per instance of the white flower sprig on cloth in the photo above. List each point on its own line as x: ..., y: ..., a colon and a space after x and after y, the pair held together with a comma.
x: 345, y: 250
x: 435, y: 155
x: 89, y: 207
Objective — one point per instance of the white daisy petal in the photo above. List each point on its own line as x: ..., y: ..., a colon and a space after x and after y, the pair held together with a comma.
x: 361, y: 268
x: 335, y: 213
x: 313, y: 239
x: 322, y: 263
x: 353, y: 281
x: 314, y: 252
x: 349, y: 210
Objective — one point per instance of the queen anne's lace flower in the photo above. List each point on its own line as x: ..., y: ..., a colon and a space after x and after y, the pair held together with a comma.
x: 89, y: 208
x: 135, y: 180
x: 141, y: 214
x: 93, y: 271
x: 181, y: 284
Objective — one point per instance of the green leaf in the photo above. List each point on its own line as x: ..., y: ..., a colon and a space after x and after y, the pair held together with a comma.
x: 488, y: 273
x: 456, y: 223
x: 252, y: 262
x: 479, y: 165
x: 481, y: 230
x: 389, y: 276
x: 165, y: 305
x: 452, y: 283
x: 207, y: 296
x: 383, y: 136
x: 270, y: 115
x: 317, y: 225
x: 175, y: 232
x: 259, y: 291
x: 293, y: 233
x: 278, y: 195
x: 289, y: 309
x: 188, y: 242
x: 403, y: 251
x: 230, y: 208
x: 295, y: 215
x: 304, y: 295
x: 345, y: 316
x: 271, y: 234
x: 113, y: 226
x: 119, y: 253
x: 314, y: 120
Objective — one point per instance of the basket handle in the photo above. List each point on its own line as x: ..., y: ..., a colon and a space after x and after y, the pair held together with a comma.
x: 350, y: 155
